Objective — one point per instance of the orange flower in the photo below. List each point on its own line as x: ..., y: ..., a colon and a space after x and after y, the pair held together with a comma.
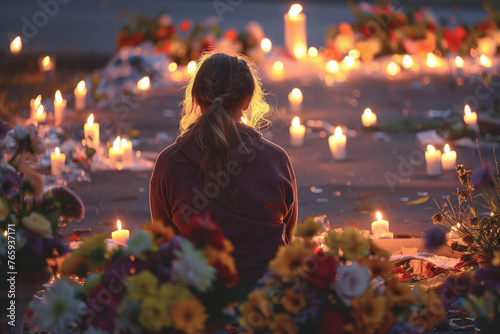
x: 292, y: 301
x: 160, y: 232
x: 368, y: 311
x: 289, y: 260
x: 379, y: 267
x: 398, y: 293
x: 189, y: 316
x: 256, y: 311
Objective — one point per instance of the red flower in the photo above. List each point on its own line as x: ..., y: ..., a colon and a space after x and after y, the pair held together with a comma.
x: 231, y: 34
x: 138, y: 37
x: 398, y: 270
x: 202, y: 231
x: 185, y: 25
x: 322, y: 270
x: 367, y: 32
x: 330, y: 322
x: 431, y: 27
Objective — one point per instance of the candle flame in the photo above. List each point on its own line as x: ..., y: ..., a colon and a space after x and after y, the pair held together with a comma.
x: 123, y: 142
x: 392, y: 68
x: 119, y: 224
x: 312, y: 52
x: 379, y: 215
x: 467, y: 110
x: 172, y: 66
x: 354, y: 54
x: 338, y: 131
x: 278, y: 66
x: 431, y: 148
x: 431, y: 60
x: 57, y: 151
x: 116, y: 144
x: 332, y: 66
x: 144, y: 83
x: 38, y: 100
x: 296, y: 93
x: 407, y: 61
x: 58, y: 96
x: 266, y: 44
x: 349, y: 61
x: 447, y: 149
x: 16, y: 45
x: 295, y: 10
x: 90, y: 120
x: 368, y: 113
x: 459, y: 61
x: 191, y: 67
x: 81, y: 86
x: 296, y: 122
x: 46, y: 61
x: 484, y: 61
x: 299, y: 52
x: 5, y: 233
x: 39, y: 110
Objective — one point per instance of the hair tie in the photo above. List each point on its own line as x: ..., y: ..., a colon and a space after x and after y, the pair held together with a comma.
x: 218, y: 99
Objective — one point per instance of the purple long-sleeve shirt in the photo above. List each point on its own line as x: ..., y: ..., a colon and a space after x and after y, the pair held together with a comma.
x: 266, y: 197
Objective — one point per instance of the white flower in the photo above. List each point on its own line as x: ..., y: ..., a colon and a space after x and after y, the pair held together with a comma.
x: 93, y: 330
x: 59, y: 309
x: 191, y: 267
x: 352, y: 281
x: 140, y: 242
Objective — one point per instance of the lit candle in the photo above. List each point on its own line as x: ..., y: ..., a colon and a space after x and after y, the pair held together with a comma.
x: 126, y: 146
x: 297, y: 132
x: 368, y: 118
x: 266, y: 45
x: 46, y: 64
x: 34, y: 104
x: 431, y: 60
x: 380, y: 227
x: 16, y: 45
x: 432, y: 161
x: 295, y: 32
x: 407, y: 61
x: 337, y: 144
x: 144, y: 83
x: 485, y: 61
x: 470, y: 118
x: 393, y: 68
x: 332, y: 66
x: 448, y: 159
x: 312, y: 52
x: 80, y: 96
x: 120, y: 236
x: 115, y: 152
x: 57, y: 162
x: 40, y: 115
x: 277, y: 70
x: 295, y: 100
x: 91, y: 132
x: 59, y: 107
x: 459, y: 62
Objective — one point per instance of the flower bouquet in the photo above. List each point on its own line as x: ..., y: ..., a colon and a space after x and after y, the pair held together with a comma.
x: 158, y: 283
x: 336, y: 282
x: 31, y: 217
x: 480, y: 192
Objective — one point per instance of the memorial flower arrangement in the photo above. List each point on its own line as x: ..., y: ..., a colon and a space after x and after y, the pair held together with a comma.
x: 158, y: 283
x: 336, y: 282
x: 31, y: 215
x: 480, y: 192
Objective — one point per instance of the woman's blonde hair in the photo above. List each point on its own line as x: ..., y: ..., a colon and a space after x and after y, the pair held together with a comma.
x: 212, y: 107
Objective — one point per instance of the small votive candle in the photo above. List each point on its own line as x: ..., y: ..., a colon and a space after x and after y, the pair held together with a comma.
x: 34, y: 104
x: 57, y: 163
x: 16, y: 45
x: 91, y: 133
x: 120, y: 236
x: 59, y: 107
x: 126, y: 146
x: 295, y: 99
x: 337, y: 143
x: 380, y: 227
x: 41, y: 114
x: 80, y: 96
x: 448, y: 159
x: 470, y: 117
x: 115, y: 152
x: 432, y: 161
x: 368, y: 118
x: 297, y: 132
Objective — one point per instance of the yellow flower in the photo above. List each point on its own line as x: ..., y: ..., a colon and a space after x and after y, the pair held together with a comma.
x: 256, y: 311
x: 379, y: 267
x: 161, y: 233
x: 4, y: 209
x: 353, y: 244
x: 308, y: 228
x: 38, y: 224
x: 398, y: 293
x: 154, y: 314
x: 72, y: 263
x: 332, y: 240
x: 189, y: 316
x: 142, y: 285
x: 174, y: 293
x: 292, y: 301
x: 289, y: 260
x: 90, y: 244
x: 368, y: 311
x: 282, y: 324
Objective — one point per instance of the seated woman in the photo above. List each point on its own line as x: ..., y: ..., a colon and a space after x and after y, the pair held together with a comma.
x: 222, y: 166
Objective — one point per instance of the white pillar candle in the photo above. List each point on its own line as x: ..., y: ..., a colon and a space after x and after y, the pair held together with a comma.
x: 407, y: 61
x: 41, y: 114
x: 295, y: 99
x: 16, y: 45
x: 34, y: 104
x: 380, y: 227
x: 57, y: 162
x: 448, y: 159
x: 91, y: 132
x: 431, y: 60
x: 368, y: 118
x: 120, y: 236
x: 126, y: 146
x: 59, y: 107
x: 432, y: 161
x: 80, y: 96
x: 295, y: 32
x: 470, y: 118
x: 115, y: 152
x: 266, y: 45
x: 337, y: 143
x: 297, y: 132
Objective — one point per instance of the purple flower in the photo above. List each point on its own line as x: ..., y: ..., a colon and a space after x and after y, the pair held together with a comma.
x: 57, y: 242
x: 10, y: 181
x: 4, y: 128
x: 434, y: 238
x: 481, y: 177
x: 167, y: 249
x: 70, y: 204
x: 120, y: 269
x: 102, y: 310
